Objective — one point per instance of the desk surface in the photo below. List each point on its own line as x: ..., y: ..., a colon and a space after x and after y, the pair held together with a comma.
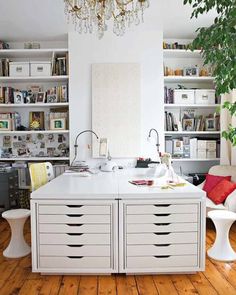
x: 111, y: 185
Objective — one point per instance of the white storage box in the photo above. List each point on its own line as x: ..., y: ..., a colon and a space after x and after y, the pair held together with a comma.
x: 19, y: 69
x: 205, y: 96
x: 201, y: 154
x: 211, y: 154
x: 201, y: 144
x: 211, y: 145
x: 40, y: 68
x: 183, y: 96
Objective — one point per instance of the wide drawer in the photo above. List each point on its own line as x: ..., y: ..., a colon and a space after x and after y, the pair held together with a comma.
x: 74, y: 262
x: 75, y: 250
x: 161, y: 227
x: 162, y: 262
x: 162, y: 218
x: 162, y: 238
x: 162, y: 249
x: 75, y: 239
x: 74, y: 218
x: 74, y: 209
x: 74, y: 228
x: 162, y: 208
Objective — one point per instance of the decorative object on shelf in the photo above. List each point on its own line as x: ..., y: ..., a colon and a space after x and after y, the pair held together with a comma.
x: 18, y: 97
x: 40, y: 98
x: 210, y: 124
x: 36, y: 120
x: 188, y: 124
x: 31, y: 45
x: 5, y: 125
x: 87, y: 14
x: 58, y: 124
x: 191, y: 71
x: 4, y: 45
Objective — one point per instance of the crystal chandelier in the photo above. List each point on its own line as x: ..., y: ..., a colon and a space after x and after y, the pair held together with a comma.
x: 87, y: 14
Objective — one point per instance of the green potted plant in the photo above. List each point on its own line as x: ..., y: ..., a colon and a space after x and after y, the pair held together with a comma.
x: 218, y: 45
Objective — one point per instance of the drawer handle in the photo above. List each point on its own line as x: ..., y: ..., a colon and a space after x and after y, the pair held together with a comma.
x: 162, y: 214
x: 162, y: 224
x: 162, y: 245
x: 75, y: 257
x: 162, y: 205
x: 74, y: 234
x: 161, y: 234
x: 74, y: 215
x: 74, y: 206
x: 74, y: 224
x: 75, y: 246
x: 162, y: 256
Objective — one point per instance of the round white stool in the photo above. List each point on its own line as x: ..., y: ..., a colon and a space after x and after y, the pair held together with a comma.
x: 221, y: 249
x: 17, y: 246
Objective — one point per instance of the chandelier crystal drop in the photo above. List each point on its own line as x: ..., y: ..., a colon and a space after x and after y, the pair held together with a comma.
x: 87, y: 15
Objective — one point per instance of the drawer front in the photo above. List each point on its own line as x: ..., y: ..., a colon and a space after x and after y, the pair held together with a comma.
x: 162, y: 262
x: 163, y: 249
x: 75, y: 250
x: 74, y: 262
x: 162, y: 218
x: 74, y: 228
x: 74, y: 239
x: 161, y: 227
x: 74, y: 209
x: 74, y: 218
x: 162, y: 208
x: 162, y: 238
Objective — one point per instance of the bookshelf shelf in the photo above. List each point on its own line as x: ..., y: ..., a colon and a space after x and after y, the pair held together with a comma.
x: 35, y: 132
x: 35, y: 159
x: 195, y: 160
x: 181, y: 53
x: 34, y: 79
x: 27, y: 53
x: 34, y: 105
x: 190, y: 79
x: 191, y: 132
x: 177, y: 106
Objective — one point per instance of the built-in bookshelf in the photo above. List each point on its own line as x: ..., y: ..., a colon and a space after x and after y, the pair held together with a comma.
x: 176, y: 65
x: 23, y: 140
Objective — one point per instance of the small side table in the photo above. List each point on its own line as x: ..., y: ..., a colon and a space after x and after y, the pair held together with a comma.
x: 17, y: 246
x: 221, y: 249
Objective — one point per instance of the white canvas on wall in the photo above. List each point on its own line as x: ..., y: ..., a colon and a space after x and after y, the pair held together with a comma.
x: 116, y: 110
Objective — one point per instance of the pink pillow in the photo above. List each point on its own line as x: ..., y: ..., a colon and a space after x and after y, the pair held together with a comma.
x: 221, y: 191
x: 212, y: 181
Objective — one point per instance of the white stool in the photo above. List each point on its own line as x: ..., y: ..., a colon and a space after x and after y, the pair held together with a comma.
x: 17, y: 246
x: 221, y: 249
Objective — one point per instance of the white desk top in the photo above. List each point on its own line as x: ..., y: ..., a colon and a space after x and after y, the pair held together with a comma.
x: 111, y: 185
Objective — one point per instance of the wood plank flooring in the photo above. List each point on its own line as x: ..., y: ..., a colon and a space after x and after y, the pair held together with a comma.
x: 16, y: 277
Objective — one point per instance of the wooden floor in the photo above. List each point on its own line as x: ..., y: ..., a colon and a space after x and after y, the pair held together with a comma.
x: 16, y: 277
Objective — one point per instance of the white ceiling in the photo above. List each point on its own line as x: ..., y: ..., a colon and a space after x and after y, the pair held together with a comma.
x: 36, y: 20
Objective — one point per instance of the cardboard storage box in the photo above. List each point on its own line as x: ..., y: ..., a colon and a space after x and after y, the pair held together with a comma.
x: 183, y: 96
x: 205, y: 96
x: 40, y: 68
x: 19, y: 69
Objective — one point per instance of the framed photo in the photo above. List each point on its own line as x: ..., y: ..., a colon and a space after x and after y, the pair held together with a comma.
x: 191, y: 71
x: 210, y: 124
x: 36, y: 120
x: 58, y: 124
x: 18, y: 97
x: 188, y: 124
x: 51, y: 98
x: 40, y: 97
x: 5, y: 125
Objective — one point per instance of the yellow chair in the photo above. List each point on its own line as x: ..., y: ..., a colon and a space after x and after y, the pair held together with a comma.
x: 40, y: 174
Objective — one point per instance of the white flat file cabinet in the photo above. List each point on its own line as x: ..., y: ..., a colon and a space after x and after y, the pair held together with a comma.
x: 161, y: 236
x: 74, y: 236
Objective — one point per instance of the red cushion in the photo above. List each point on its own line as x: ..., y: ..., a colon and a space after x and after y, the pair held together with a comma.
x: 212, y: 181
x: 221, y: 191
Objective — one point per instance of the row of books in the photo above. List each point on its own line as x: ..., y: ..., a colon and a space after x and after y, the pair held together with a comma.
x: 193, y: 148
x: 9, y: 95
x: 4, y: 67
x: 168, y: 95
x: 10, y: 121
x: 60, y: 65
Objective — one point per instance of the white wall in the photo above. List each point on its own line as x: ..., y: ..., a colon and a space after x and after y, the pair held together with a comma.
x: 142, y: 44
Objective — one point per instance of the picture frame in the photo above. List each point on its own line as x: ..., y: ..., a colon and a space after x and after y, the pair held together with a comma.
x: 18, y: 97
x: 210, y: 124
x: 52, y: 98
x: 188, y: 124
x: 40, y: 97
x: 191, y: 71
x: 58, y: 124
x: 5, y: 125
x: 36, y: 120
